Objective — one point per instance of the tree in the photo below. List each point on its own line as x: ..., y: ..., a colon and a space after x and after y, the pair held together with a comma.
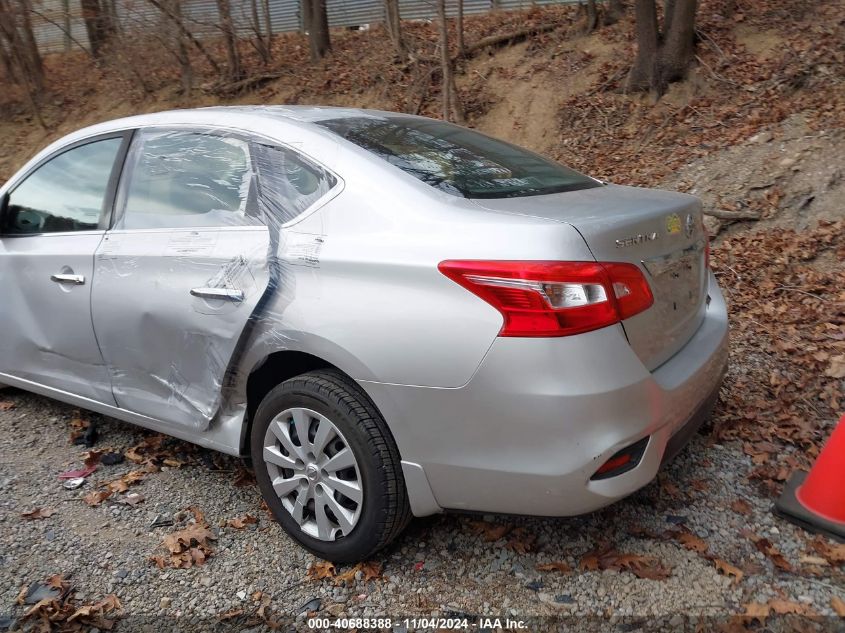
x: 662, y: 56
x: 98, y: 25
x: 451, y: 100
x: 232, y: 55
x: 392, y: 21
x: 263, y: 38
x: 615, y: 11
x: 21, y: 56
x: 459, y: 26
x: 318, y: 29
x: 184, y: 59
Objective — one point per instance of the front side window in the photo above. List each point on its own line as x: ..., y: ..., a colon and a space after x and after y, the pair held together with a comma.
x: 179, y: 179
x: 457, y: 160
x: 67, y: 193
x: 289, y: 183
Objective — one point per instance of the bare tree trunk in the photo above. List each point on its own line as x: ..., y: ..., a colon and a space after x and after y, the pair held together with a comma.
x: 232, y: 56
x: 318, y: 36
x: 66, y: 19
x: 678, y: 41
x: 460, y: 28
x: 668, y: 12
x: 93, y: 18
x: 168, y: 13
x: 268, y: 29
x: 305, y: 15
x: 393, y: 22
x: 36, y: 66
x: 260, y: 42
x: 185, y: 68
x: 662, y: 57
x: 21, y: 52
x: 8, y: 63
x: 615, y: 11
x: 592, y: 17
x: 451, y: 101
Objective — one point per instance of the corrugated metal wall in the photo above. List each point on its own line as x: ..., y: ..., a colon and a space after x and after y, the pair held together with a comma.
x: 51, y: 18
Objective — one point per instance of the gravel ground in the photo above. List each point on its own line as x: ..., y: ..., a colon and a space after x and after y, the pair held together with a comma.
x: 440, y: 566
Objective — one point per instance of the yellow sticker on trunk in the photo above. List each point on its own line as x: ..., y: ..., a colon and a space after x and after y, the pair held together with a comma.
x: 673, y: 224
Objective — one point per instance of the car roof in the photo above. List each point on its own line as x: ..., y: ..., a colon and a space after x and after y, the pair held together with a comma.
x: 286, y: 123
x: 245, y: 117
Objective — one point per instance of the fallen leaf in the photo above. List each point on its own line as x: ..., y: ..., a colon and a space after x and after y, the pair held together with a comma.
x: 520, y: 541
x: 7, y: 405
x: 787, y: 607
x: 230, y: 614
x: 729, y: 570
x: 92, y: 458
x: 320, y: 570
x: 757, y: 611
x: 837, y: 367
x: 188, y: 547
x: 605, y: 557
x: 838, y: 606
x: 834, y: 554
x: 692, y: 542
x: 560, y: 566
x: 766, y: 547
x: 37, y: 514
x: 244, y: 477
x: 371, y: 570
x: 239, y: 523
x: 96, y: 497
x: 490, y: 531
x: 740, y: 506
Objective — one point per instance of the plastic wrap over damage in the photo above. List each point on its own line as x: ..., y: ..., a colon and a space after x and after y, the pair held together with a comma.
x: 193, y: 265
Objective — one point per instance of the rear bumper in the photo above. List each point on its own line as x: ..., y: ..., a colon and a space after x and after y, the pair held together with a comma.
x: 540, y: 416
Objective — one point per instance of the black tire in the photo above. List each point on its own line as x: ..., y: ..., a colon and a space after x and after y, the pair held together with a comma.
x: 385, y: 511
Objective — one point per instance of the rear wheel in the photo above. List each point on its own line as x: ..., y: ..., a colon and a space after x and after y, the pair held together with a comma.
x: 328, y: 467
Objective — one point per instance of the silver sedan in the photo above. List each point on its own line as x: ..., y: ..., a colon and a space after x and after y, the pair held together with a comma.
x: 392, y: 315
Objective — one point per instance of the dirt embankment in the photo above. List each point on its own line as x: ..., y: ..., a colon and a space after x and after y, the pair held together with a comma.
x: 756, y: 130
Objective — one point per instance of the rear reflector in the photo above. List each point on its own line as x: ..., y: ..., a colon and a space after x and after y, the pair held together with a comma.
x: 622, y: 461
x: 547, y: 298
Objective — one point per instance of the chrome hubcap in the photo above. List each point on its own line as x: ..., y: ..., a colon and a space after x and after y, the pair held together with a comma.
x: 314, y: 472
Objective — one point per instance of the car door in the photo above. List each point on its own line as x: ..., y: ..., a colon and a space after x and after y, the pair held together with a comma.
x: 180, y: 273
x: 53, y: 219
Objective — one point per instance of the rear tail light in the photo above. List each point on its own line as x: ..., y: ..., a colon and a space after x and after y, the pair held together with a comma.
x: 706, y: 247
x: 547, y: 298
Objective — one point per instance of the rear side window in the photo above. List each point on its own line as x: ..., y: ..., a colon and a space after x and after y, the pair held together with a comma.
x: 289, y: 183
x: 65, y: 194
x: 179, y: 179
x: 457, y: 160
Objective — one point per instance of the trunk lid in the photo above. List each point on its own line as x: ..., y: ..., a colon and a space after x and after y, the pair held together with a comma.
x: 659, y: 231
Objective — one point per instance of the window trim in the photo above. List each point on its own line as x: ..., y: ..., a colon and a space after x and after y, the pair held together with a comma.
x: 107, y: 209
x: 248, y: 136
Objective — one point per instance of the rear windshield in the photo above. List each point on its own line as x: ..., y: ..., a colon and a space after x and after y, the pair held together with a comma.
x: 457, y: 160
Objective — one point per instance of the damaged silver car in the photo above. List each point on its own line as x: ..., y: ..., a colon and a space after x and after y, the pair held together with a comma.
x: 392, y: 315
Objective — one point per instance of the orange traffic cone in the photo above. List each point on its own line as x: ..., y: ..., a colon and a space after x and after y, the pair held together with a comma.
x: 816, y: 500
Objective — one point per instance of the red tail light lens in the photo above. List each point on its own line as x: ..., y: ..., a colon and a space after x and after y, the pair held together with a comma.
x: 706, y: 247
x: 547, y: 298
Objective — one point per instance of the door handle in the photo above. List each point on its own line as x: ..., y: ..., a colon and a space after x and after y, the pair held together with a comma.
x: 76, y: 280
x: 224, y: 294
